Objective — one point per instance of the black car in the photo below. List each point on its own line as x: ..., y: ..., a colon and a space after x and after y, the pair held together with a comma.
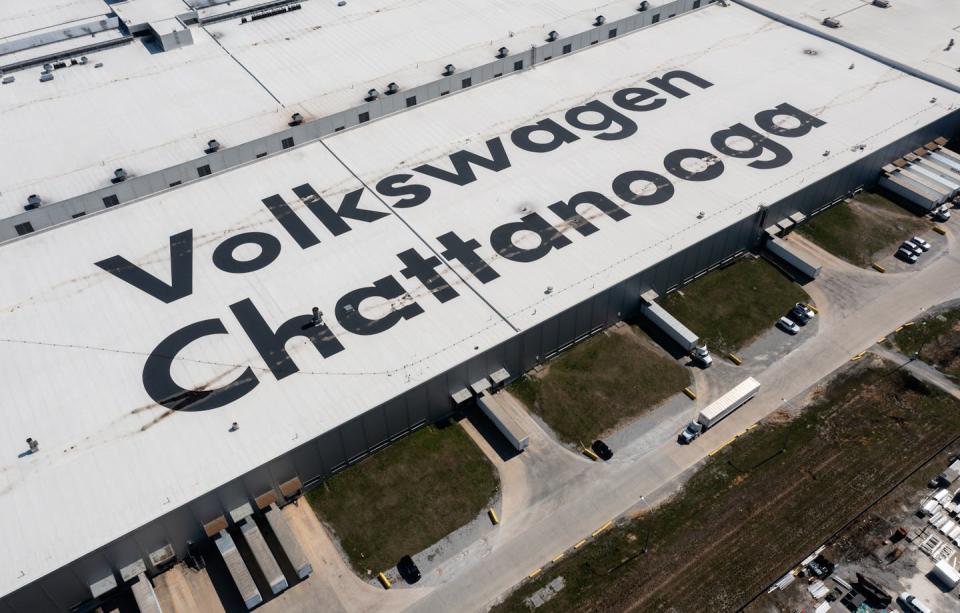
x: 600, y: 448
x: 798, y: 315
x: 408, y: 570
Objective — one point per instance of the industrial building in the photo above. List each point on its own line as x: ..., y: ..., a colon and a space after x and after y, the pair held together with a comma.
x: 208, y: 330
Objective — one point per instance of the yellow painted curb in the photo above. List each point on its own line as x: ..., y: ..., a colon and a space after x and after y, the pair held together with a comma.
x: 601, y: 528
x: 535, y: 573
x: 717, y: 450
x: 908, y: 324
x: 493, y: 516
x: 383, y: 579
x: 558, y: 558
x: 898, y: 329
x: 690, y: 393
x: 735, y: 358
x: 882, y: 339
x: 580, y: 544
x: 749, y: 428
x: 879, y: 268
x: 859, y: 356
x: 588, y: 452
x: 939, y: 230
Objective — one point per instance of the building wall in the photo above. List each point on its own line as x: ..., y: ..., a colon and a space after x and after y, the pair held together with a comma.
x: 317, y: 459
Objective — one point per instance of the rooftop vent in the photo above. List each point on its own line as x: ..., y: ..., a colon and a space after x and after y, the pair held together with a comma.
x: 392, y: 88
x: 449, y: 69
x: 552, y: 36
x: 296, y: 119
x: 831, y: 22
x: 600, y: 20
x: 503, y: 52
x: 643, y: 6
x: 33, y: 444
x: 46, y: 76
x: 884, y: 4
x: 33, y: 202
x: 48, y: 67
x: 372, y: 95
x: 119, y: 175
x: 9, y: 80
x: 83, y: 59
x: 212, y: 146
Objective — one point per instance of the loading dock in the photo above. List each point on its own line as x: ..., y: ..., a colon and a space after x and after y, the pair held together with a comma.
x: 288, y: 541
x: 784, y: 252
x: 261, y: 552
x: 501, y: 409
x: 144, y: 595
x: 238, y: 570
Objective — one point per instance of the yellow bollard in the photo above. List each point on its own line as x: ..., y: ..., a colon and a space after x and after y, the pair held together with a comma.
x: 879, y: 268
x: 383, y: 579
x: 493, y: 516
x: 690, y: 393
x: 735, y: 358
x: 939, y: 230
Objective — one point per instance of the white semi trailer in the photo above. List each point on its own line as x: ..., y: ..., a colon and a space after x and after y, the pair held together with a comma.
x: 678, y: 333
x: 720, y: 408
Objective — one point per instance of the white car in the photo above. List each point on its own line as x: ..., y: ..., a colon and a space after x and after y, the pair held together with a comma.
x: 911, y: 246
x: 806, y: 310
x: 906, y: 255
x: 913, y: 604
x: 941, y: 213
x: 787, y: 325
x: 919, y: 242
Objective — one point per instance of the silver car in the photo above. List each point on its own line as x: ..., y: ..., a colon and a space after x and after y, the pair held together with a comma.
x: 919, y: 242
x: 788, y: 325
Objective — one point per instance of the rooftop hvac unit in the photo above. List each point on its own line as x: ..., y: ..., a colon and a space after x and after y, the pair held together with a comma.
x: 392, y: 88
x: 33, y: 202
x: 119, y: 175
x: 47, y: 76
x: 503, y: 52
x: 600, y: 20
x: 213, y: 146
x: 448, y: 70
x: 884, y: 4
x: 552, y: 36
x: 296, y: 119
x: 372, y: 95
x: 831, y: 22
x: 643, y: 6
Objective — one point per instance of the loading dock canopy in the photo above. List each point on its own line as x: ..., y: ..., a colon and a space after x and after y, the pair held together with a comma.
x: 331, y: 224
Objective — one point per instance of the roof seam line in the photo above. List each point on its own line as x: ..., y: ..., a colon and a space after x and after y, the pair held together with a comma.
x: 417, y: 234
x: 247, y: 70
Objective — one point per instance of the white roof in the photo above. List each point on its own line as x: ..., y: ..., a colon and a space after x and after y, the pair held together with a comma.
x: 24, y: 17
x: 73, y: 339
x: 145, y: 111
x: 916, y: 33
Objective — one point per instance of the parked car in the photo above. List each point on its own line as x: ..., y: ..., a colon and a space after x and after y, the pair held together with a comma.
x: 408, y: 570
x: 919, y: 242
x: 799, y: 315
x: 941, y: 213
x: 913, y: 604
x: 787, y: 325
x: 806, y: 309
x: 601, y: 449
x: 911, y: 246
x: 906, y: 255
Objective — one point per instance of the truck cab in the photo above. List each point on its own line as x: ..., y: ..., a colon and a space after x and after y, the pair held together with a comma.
x: 691, y: 432
x: 702, y: 355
